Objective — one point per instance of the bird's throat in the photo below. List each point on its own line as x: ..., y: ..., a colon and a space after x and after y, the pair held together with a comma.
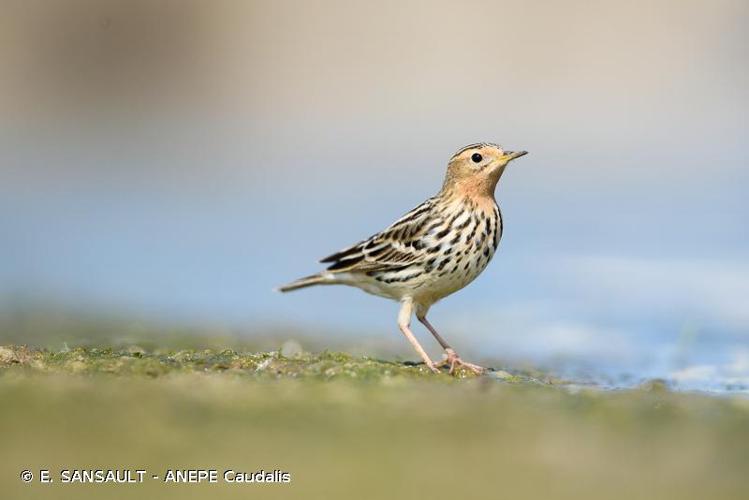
x: 478, y: 187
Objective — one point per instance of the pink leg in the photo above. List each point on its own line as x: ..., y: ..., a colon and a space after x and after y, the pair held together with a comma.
x: 404, y: 323
x: 452, y: 359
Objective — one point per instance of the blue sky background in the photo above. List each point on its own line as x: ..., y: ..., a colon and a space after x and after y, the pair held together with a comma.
x: 178, y: 161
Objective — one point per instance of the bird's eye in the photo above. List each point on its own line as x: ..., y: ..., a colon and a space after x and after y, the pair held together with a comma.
x: 476, y: 158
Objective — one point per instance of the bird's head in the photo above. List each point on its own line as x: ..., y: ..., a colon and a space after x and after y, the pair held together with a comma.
x: 475, y: 169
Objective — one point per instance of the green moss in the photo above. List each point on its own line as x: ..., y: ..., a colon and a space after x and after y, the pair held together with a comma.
x: 136, y: 361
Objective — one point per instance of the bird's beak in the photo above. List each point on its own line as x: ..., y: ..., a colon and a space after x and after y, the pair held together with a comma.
x: 511, y: 155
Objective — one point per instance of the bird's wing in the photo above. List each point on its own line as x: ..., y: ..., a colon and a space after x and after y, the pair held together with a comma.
x: 400, y: 245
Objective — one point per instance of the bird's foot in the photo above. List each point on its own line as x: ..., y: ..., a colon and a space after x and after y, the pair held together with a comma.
x: 429, y: 364
x: 433, y: 367
x: 453, y: 361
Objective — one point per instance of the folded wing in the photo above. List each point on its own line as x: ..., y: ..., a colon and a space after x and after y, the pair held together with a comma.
x: 401, y: 245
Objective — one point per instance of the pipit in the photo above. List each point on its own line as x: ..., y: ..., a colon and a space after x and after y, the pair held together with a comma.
x: 432, y: 251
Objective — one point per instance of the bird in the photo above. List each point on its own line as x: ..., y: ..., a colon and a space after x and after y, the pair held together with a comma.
x: 432, y: 251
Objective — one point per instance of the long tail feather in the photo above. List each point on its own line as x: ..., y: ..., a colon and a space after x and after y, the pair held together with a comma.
x: 314, y: 279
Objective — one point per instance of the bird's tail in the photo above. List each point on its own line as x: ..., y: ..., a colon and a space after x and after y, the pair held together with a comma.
x: 314, y: 279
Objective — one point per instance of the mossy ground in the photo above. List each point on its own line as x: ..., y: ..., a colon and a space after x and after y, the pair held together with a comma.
x: 136, y: 361
x: 354, y: 427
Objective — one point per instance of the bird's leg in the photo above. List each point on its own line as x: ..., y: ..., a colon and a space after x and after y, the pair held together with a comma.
x: 452, y: 360
x: 404, y: 323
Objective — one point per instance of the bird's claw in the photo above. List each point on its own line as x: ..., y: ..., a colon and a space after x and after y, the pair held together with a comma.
x: 453, y: 361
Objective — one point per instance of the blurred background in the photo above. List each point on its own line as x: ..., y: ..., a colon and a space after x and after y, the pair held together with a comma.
x: 172, y: 162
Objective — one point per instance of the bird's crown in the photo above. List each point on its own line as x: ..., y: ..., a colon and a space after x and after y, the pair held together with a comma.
x: 477, y: 145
